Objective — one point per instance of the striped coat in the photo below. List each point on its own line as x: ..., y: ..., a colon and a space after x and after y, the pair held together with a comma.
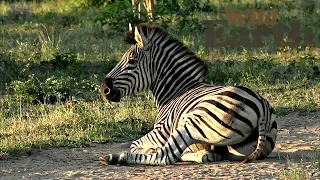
x: 197, y: 121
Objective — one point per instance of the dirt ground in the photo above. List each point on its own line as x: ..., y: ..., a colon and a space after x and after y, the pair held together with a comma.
x: 299, y: 134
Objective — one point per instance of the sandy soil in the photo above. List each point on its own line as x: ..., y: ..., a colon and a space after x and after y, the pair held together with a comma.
x: 299, y: 134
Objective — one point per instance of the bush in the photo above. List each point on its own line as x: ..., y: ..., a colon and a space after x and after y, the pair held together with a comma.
x: 36, y: 90
x: 116, y: 16
x: 53, y: 89
x: 9, y: 69
x: 191, y: 24
x: 61, y: 61
x: 52, y: 81
x: 189, y: 6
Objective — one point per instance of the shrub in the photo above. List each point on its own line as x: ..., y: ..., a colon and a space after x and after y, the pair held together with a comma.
x: 190, y: 24
x: 189, y: 6
x: 62, y: 60
x: 55, y: 80
x: 116, y: 16
x: 53, y: 89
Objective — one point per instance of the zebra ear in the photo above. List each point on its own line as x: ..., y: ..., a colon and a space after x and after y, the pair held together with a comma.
x: 139, y: 38
x: 130, y: 27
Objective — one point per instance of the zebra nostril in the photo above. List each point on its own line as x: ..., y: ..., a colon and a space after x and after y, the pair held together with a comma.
x: 106, y: 91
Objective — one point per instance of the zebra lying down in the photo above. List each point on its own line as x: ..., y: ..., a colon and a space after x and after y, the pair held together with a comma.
x: 197, y: 121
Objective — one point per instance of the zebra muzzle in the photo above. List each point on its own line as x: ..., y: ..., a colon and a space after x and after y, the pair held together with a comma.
x: 112, y: 95
x: 108, y: 92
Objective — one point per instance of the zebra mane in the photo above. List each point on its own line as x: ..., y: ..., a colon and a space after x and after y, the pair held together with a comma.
x: 148, y: 27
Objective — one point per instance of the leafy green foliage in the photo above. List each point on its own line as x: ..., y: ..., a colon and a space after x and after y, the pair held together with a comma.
x: 117, y: 15
x: 189, y: 6
x: 92, y: 3
x: 191, y: 24
x: 61, y: 61
x: 53, y: 89
x: 55, y: 85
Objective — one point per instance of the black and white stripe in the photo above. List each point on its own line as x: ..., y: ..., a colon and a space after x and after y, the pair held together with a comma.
x: 196, y: 120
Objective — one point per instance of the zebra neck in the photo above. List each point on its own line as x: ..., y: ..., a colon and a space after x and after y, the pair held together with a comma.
x: 168, y: 89
x: 177, y: 69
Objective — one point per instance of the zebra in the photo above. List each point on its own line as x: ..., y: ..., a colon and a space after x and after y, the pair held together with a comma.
x: 196, y: 121
x: 148, y: 5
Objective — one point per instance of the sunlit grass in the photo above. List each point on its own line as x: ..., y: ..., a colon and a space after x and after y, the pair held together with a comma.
x: 3, y: 8
x: 57, y: 6
x: 24, y: 126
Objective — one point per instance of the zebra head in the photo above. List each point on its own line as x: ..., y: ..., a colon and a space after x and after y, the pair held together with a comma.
x: 133, y: 73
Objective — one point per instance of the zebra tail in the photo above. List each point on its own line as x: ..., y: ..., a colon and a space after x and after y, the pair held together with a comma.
x: 262, y: 127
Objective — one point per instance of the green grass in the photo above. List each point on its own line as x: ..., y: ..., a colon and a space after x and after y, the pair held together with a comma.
x: 25, y: 126
x: 58, y: 50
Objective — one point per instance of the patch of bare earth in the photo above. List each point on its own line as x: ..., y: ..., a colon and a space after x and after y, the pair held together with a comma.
x: 298, y: 135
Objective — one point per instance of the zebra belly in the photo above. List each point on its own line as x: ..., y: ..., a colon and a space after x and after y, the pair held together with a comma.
x: 209, y: 135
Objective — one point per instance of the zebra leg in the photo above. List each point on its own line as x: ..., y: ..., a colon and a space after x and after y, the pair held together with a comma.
x: 147, y: 144
x: 200, y: 153
x: 149, y: 6
x: 111, y: 159
x: 202, y: 156
x: 150, y: 142
x: 178, y: 141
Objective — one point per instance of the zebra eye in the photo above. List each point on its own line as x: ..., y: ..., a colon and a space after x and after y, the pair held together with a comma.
x: 132, y: 61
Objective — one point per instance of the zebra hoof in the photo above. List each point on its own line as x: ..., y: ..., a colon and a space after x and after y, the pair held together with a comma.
x: 111, y: 159
x: 207, y: 156
x: 211, y: 157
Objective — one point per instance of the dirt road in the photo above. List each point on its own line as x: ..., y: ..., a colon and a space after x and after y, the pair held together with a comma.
x: 299, y: 134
